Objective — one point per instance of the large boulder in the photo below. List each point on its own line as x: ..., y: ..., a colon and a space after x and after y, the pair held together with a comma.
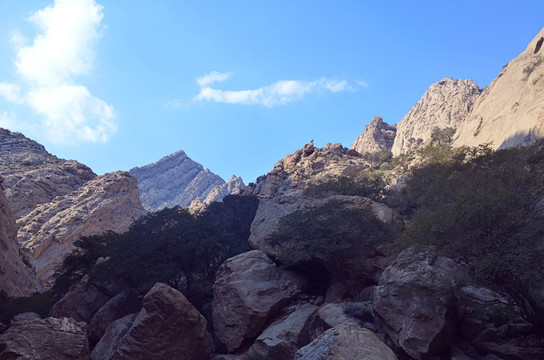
x: 346, y: 342
x: 117, y: 307
x: 112, y: 336
x: 270, y: 212
x: 80, y: 303
x: 45, y: 339
x: 415, y: 302
x: 167, y: 327
x: 295, y: 327
x: 249, y: 290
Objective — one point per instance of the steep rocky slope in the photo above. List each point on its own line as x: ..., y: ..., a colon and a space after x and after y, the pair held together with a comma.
x: 377, y: 136
x: 16, y: 278
x: 108, y: 202
x: 178, y: 180
x: 446, y: 103
x: 511, y: 110
x: 33, y: 176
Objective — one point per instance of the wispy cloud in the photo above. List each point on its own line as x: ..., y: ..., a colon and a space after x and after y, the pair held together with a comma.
x: 49, y: 67
x: 279, y: 93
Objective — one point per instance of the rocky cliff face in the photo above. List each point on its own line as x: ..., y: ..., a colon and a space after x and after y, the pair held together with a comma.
x: 16, y: 278
x: 178, y: 180
x: 33, y: 176
x: 446, y: 103
x: 511, y: 110
x: 377, y: 136
x: 306, y: 166
x: 108, y: 202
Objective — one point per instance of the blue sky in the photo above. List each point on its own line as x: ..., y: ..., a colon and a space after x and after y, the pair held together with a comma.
x: 235, y: 84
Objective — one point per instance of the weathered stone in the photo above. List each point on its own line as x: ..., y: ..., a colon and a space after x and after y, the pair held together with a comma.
x: 117, y: 307
x: 178, y: 180
x: 346, y: 342
x: 446, y: 103
x: 292, y: 329
x: 415, y: 302
x: 167, y: 327
x: 45, y: 339
x: 112, y: 336
x: 80, y: 303
x: 270, y: 212
x: 249, y: 290
x: 106, y: 203
x: 377, y: 136
x: 16, y: 278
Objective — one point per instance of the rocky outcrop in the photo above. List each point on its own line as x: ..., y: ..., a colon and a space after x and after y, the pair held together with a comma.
x: 178, y: 180
x: 510, y: 112
x: 112, y: 336
x: 270, y: 212
x: 346, y: 342
x: 292, y: 329
x: 120, y: 305
x: 16, y: 278
x: 249, y: 290
x: 446, y: 103
x: 80, y: 303
x: 33, y: 176
x: 45, y: 339
x: 306, y: 166
x: 377, y: 136
x: 167, y: 327
x: 415, y: 302
x: 107, y: 203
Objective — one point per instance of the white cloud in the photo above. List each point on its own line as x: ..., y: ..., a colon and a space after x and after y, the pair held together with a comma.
x: 279, y: 93
x: 11, y: 92
x: 49, y: 67
x: 212, y: 77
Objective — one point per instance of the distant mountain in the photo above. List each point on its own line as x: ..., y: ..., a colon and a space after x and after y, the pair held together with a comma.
x: 176, y: 180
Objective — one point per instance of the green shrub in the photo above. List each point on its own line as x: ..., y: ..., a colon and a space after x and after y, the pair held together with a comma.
x: 39, y: 303
x: 371, y: 185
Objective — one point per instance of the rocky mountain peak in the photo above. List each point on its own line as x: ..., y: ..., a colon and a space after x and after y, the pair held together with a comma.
x: 446, y: 103
x: 510, y: 111
x: 377, y: 136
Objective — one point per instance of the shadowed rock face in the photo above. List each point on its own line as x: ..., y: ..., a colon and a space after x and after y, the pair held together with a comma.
x: 178, y: 180
x: 16, y: 278
x: 446, y: 103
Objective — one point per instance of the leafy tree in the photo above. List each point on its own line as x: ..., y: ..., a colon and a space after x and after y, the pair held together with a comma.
x: 486, y: 209
x: 442, y: 136
x: 334, y: 235
x: 371, y: 185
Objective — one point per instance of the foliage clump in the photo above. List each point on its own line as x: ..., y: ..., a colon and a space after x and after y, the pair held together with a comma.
x: 39, y: 303
x: 371, y: 185
x: 335, y: 235
x: 170, y: 246
x: 485, y: 209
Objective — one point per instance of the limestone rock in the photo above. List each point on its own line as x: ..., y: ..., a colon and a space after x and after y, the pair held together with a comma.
x: 446, y: 103
x: 106, y: 203
x: 306, y: 166
x: 80, y: 303
x: 45, y: 339
x: 167, y: 327
x: 16, y: 278
x: 415, y: 302
x: 112, y: 336
x: 178, y: 180
x: 291, y: 330
x: 346, y: 342
x: 249, y: 290
x: 117, y: 307
x: 510, y: 111
x: 33, y: 176
x: 270, y: 212
x: 233, y: 187
x: 377, y: 136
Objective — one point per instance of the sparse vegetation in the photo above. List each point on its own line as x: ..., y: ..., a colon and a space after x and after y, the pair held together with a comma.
x: 372, y: 185
x: 528, y: 70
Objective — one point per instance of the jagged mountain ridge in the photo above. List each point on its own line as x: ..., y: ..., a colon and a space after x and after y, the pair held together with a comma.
x: 176, y: 180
